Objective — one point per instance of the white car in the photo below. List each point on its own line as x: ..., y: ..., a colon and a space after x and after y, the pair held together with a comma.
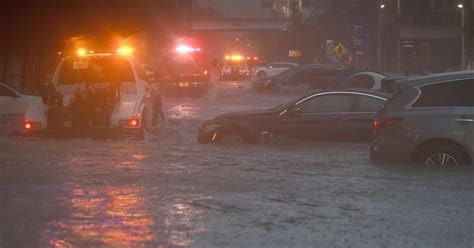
x: 365, y: 80
x: 272, y: 69
x: 12, y: 102
x: 106, y: 92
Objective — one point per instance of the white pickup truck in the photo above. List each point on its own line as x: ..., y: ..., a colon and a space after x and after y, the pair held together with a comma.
x: 104, y: 92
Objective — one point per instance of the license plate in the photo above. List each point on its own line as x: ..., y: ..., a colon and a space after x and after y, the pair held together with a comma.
x: 67, y: 124
x: 184, y: 84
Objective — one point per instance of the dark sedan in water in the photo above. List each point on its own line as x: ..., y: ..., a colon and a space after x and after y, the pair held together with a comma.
x: 335, y: 115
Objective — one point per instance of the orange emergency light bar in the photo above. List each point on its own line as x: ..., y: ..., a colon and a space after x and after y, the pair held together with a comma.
x: 125, y: 50
x: 234, y: 57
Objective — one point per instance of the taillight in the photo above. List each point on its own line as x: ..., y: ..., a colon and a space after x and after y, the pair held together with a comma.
x: 133, y: 122
x: 378, y: 124
x: 205, y: 72
x: 28, y: 125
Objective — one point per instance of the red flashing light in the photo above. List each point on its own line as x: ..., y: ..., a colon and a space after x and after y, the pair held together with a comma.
x: 133, y: 122
x: 248, y: 58
x: 28, y: 125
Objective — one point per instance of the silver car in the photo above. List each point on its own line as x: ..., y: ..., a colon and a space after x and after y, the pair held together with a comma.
x: 429, y: 120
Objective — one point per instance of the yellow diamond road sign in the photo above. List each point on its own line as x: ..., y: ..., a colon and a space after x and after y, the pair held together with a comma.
x: 295, y: 53
x: 339, y: 50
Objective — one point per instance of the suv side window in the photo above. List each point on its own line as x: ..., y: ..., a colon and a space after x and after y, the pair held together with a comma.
x: 447, y: 94
x: 4, y: 91
x: 367, y: 104
x: 337, y: 103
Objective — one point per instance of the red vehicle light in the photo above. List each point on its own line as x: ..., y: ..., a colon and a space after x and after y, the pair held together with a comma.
x: 28, y: 125
x: 133, y: 122
x: 379, y: 124
x: 255, y: 58
x: 205, y: 72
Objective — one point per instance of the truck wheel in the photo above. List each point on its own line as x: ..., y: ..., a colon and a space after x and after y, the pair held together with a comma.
x: 261, y: 75
x: 143, y: 127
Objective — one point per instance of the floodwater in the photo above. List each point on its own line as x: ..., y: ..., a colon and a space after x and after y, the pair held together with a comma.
x: 169, y: 191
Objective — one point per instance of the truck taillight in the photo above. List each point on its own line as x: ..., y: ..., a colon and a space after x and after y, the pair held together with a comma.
x: 28, y: 125
x: 133, y: 122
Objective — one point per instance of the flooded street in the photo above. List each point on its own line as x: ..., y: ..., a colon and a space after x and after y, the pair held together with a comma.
x: 170, y: 191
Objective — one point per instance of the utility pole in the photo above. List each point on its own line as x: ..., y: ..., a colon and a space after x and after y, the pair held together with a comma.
x: 463, y: 39
x: 399, y: 43
x: 380, y: 27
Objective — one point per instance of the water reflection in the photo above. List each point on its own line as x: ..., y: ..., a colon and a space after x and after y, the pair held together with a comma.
x: 110, y: 216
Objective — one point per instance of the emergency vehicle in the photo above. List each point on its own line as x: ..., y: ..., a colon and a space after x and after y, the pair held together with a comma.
x: 96, y: 91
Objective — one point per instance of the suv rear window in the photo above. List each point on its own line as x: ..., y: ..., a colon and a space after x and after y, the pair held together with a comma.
x: 447, y: 94
x: 96, y: 70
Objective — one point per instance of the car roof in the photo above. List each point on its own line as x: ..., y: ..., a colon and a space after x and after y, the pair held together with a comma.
x: 369, y: 72
x: 417, y: 81
x: 350, y: 90
x: 319, y: 66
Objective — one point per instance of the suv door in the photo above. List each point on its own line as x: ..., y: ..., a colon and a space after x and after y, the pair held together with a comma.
x: 462, y: 113
x: 317, y: 118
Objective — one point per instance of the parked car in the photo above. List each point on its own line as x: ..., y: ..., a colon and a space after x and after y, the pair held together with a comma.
x: 97, y: 91
x: 335, y: 115
x: 429, y: 120
x: 14, y: 103
x: 371, y: 80
x: 272, y: 69
x: 186, y: 79
x: 364, y: 80
x: 314, y: 76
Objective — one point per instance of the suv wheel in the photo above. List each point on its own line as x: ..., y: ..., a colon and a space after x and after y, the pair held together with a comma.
x: 442, y: 156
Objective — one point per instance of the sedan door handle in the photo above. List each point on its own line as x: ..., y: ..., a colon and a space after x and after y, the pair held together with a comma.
x: 464, y: 120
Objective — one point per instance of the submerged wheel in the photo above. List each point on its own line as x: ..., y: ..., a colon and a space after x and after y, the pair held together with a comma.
x: 143, y: 127
x: 232, y: 138
x: 442, y: 156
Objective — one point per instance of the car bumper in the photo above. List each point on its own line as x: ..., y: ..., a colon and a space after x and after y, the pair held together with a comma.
x: 99, y: 132
x: 390, y: 150
x: 189, y: 89
x: 234, y: 77
x: 207, y: 136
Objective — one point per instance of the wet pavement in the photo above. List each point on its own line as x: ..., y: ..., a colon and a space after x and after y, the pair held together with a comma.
x: 169, y: 191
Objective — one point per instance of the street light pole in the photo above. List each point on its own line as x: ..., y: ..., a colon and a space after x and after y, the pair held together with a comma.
x: 463, y: 39
x: 379, y: 55
x: 399, y: 43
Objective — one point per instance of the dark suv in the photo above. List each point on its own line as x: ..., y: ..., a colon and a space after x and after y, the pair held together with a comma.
x: 428, y: 120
